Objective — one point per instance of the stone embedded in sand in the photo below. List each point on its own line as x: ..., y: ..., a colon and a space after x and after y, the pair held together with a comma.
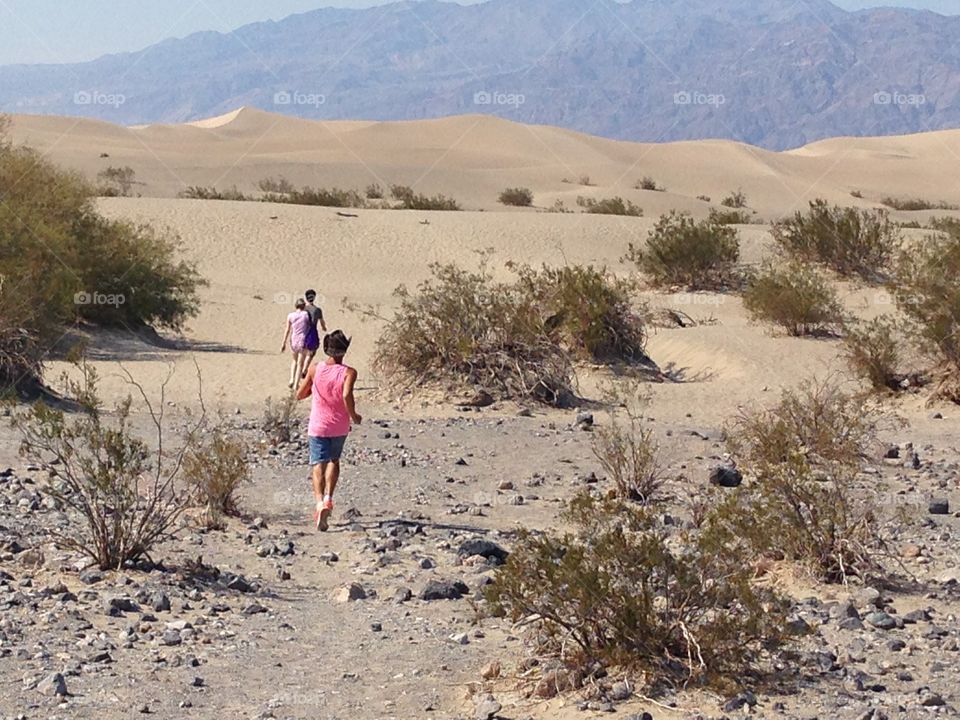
x: 485, y: 548
x: 881, y: 621
x: 53, y: 686
x: 491, y: 671
x: 444, y: 590
x: 939, y: 506
x: 726, y: 476
x: 351, y: 593
x: 488, y: 708
x: 160, y: 602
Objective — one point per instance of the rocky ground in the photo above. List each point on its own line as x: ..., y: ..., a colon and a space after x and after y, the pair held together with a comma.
x: 383, y: 616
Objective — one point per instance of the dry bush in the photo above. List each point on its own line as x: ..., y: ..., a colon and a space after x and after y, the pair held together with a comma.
x: 121, y: 494
x: 588, y: 311
x: 874, y: 352
x: 116, y: 181
x: 215, y: 467
x: 795, y: 297
x: 518, y: 197
x: 464, y: 329
x: 926, y: 288
x: 198, y: 192
x: 627, y: 451
x: 850, y: 241
x: 736, y: 200
x: 915, y: 204
x: 801, y: 500
x: 730, y: 217
x: 318, y: 197
x: 409, y: 200
x: 681, y: 251
x: 374, y: 192
x: 279, y: 421
x: 609, y: 206
x: 280, y: 186
x: 648, y: 183
x: 619, y: 592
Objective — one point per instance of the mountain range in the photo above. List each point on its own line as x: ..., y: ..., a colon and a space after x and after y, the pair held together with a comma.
x: 778, y: 74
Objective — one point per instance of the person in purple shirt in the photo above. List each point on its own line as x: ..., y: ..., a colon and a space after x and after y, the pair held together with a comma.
x: 295, y: 333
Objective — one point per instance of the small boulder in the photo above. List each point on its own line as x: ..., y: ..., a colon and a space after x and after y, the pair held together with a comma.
x: 485, y: 548
x: 487, y: 708
x: 444, y: 590
x: 351, y: 593
x: 726, y: 476
x: 939, y: 506
x: 53, y: 686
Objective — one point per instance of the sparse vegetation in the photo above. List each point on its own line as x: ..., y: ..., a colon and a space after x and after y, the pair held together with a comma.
x: 648, y: 183
x: 417, y: 201
x: 803, y: 502
x: 609, y: 206
x: 122, y: 496
x: 857, y: 194
x: 915, y: 204
x: 619, y: 592
x: 322, y: 197
x: 850, y: 241
x: 197, y: 192
x: 873, y: 352
x: 374, y: 192
x: 736, y: 200
x: 116, y: 181
x: 730, y: 217
x: 518, y: 197
x: 627, y: 451
x: 704, y: 198
x: 795, y: 297
x: 276, y: 186
x: 681, y: 251
x: 215, y: 467
x: 279, y: 421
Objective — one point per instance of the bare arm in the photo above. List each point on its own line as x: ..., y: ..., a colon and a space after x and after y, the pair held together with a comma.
x: 286, y: 335
x: 349, y: 381
x: 323, y: 322
x: 306, y: 387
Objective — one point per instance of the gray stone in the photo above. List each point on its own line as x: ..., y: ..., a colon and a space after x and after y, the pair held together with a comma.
x: 53, y: 686
x: 444, y: 590
x: 487, y: 708
x: 881, y: 621
x: 939, y: 506
x: 726, y: 476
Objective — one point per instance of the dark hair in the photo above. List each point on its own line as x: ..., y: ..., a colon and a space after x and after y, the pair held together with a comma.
x: 336, y: 344
x: 299, y: 304
x: 310, y: 295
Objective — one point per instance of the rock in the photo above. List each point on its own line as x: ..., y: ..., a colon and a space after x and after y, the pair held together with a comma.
x: 160, y: 602
x: 726, y: 476
x: 402, y: 595
x: 236, y: 582
x: 487, y: 708
x: 620, y: 692
x: 931, y: 699
x: 427, y: 564
x: 460, y: 639
x: 892, y: 453
x: 491, y: 671
x: 91, y: 577
x: 584, y: 420
x: 444, y: 590
x: 939, y: 506
x: 376, y: 627
x: 747, y: 699
x: 485, y: 548
x: 171, y: 637
x: 851, y: 623
x: 53, y: 686
x: 254, y: 609
x: 351, y: 593
x: 116, y: 606
x: 881, y: 621
x: 915, y: 616
x: 505, y: 485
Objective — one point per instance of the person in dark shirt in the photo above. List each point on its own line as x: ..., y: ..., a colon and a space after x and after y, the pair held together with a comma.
x: 312, y: 343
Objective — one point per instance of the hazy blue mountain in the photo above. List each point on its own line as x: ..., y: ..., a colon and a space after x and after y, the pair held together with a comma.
x: 777, y: 73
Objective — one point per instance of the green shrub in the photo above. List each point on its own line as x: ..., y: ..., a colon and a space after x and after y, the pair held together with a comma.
x: 801, y: 500
x: 736, y: 200
x: 409, y: 200
x: 620, y: 592
x: 116, y: 181
x: 648, y: 183
x: 374, y: 192
x: 518, y: 197
x: 912, y: 205
x: 322, y: 197
x: 215, y: 467
x: 609, y: 206
x: 795, y: 297
x: 121, y: 494
x: 873, y: 351
x: 850, y: 241
x: 197, y: 192
x: 681, y: 251
x: 628, y: 453
x: 730, y: 217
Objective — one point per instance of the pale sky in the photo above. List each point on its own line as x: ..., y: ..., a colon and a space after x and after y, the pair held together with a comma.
x: 51, y: 31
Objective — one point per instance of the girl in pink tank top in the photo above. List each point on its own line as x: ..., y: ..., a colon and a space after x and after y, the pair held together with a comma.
x: 332, y: 409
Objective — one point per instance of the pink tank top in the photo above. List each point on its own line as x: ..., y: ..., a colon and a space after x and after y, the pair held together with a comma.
x: 328, y: 413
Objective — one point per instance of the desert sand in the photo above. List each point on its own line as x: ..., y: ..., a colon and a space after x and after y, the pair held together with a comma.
x: 259, y: 257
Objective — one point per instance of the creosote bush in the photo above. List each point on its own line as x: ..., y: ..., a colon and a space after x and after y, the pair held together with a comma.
x: 801, y: 500
x: 518, y: 197
x: 795, y: 297
x: 736, y: 200
x: 648, y: 183
x: 619, y: 592
x: 915, y: 204
x: 279, y: 419
x: 681, y: 251
x: 609, y: 206
x: 116, y: 181
x: 199, y: 192
x: 409, y: 200
x: 122, y: 495
x: 850, y: 241
x: 730, y: 217
x: 873, y: 351
x: 215, y: 467
x: 627, y: 451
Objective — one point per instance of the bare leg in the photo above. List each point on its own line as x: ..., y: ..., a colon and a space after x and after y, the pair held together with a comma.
x: 331, y: 475
x: 295, y: 369
x: 317, y: 477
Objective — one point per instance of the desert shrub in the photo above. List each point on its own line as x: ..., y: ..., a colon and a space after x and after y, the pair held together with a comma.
x: 587, y: 310
x: 802, y: 501
x: 737, y: 200
x: 21, y: 338
x: 279, y: 421
x: 730, y: 217
x: 518, y: 197
x: 704, y: 198
x: 559, y: 207
x: 215, y: 467
x: 464, y: 329
x: 121, y: 494
x: 278, y: 186
x: 374, y: 192
x: 682, y: 251
x: 857, y: 194
x: 617, y: 592
x: 914, y: 204
x: 911, y: 225
x: 609, y: 206
x: 795, y: 297
x: 873, y: 351
x: 116, y: 181
x: 409, y: 200
x: 197, y: 192
x: 648, y: 183
x: 926, y: 288
x: 848, y: 240
x: 322, y: 197
x: 627, y: 452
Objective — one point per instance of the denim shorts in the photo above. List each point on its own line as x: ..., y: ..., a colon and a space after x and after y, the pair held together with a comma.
x: 324, y: 450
